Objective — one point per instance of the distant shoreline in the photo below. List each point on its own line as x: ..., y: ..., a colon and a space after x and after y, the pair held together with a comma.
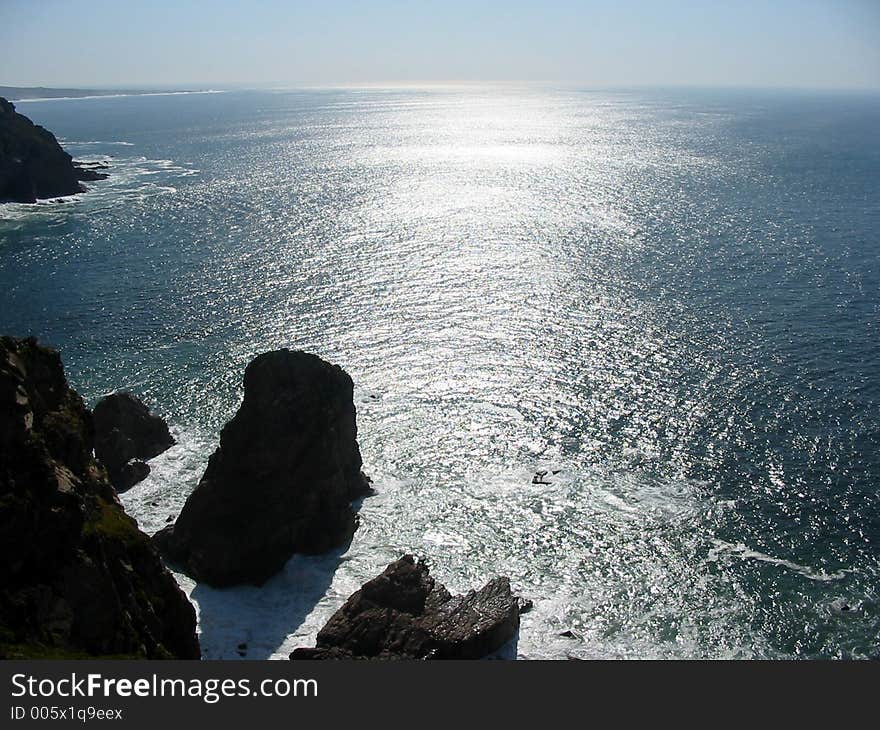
x: 40, y: 93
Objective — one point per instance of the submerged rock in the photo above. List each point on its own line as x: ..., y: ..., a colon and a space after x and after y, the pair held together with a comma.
x: 281, y: 482
x: 405, y: 614
x: 32, y: 163
x: 126, y: 434
x: 77, y: 577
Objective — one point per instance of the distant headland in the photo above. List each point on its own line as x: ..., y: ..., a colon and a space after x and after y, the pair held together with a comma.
x: 33, y: 165
x: 33, y: 93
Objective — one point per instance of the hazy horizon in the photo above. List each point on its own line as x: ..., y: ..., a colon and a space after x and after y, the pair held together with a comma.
x: 98, y: 44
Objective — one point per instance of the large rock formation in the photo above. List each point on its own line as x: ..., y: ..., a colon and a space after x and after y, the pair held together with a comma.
x: 282, y: 480
x: 126, y: 434
x: 77, y: 578
x: 32, y: 163
x: 405, y: 614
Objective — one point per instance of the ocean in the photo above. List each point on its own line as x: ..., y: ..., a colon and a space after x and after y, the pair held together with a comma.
x: 667, y: 301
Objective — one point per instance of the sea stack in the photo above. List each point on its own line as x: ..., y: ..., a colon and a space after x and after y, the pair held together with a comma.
x: 405, y: 614
x: 126, y: 435
x: 32, y: 163
x: 282, y: 480
x: 77, y: 578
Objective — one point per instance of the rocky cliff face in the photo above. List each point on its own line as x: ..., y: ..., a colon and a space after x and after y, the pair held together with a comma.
x: 282, y: 480
x: 32, y: 163
x: 77, y: 577
x: 405, y: 614
x: 126, y: 435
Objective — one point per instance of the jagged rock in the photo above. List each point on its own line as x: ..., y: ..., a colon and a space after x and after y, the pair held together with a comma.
x: 77, y: 577
x: 126, y: 433
x: 32, y: 163
x: 405, y: 614
x: 282, y: 480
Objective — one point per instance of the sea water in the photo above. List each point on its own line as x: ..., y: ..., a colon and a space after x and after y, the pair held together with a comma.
x: 667, y: 302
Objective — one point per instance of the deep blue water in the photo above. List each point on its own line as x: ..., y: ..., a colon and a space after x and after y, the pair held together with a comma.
x: 671, y: 297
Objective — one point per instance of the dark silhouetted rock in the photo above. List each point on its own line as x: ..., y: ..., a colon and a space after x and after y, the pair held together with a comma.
x: 130, y: 474
x: 405, y: 614
x: 77, y: 577
x: 87, y: 174
x: 282, y: 480
x: 126, y: 433
x: 90, y: 171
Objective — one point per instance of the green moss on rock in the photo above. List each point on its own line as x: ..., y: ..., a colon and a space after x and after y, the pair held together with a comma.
x: 111, y: 523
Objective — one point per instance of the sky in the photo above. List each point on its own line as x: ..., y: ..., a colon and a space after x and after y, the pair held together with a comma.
x: 290, y: 43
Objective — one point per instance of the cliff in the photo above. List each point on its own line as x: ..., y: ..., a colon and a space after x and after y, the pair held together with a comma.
x: 77, y: 577
x: 32, y: 163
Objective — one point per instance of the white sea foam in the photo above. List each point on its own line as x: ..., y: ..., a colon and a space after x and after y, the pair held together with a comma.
x: 746, y: 553
x: 71, y: 142
x: 158, y: 499
x: 268, y: 622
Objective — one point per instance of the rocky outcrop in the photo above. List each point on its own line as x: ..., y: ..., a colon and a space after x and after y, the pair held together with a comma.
x: 77, y: 577
x: 126, y: 434
x: 282, y: 480
x: 405, y: 614
x: 32, y: 163
x: 90, y: 171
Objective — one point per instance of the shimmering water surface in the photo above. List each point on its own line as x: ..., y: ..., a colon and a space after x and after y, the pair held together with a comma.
x: 669, y: 298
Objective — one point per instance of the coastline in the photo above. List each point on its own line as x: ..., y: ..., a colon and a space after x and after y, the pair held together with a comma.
x: 118, y: 96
